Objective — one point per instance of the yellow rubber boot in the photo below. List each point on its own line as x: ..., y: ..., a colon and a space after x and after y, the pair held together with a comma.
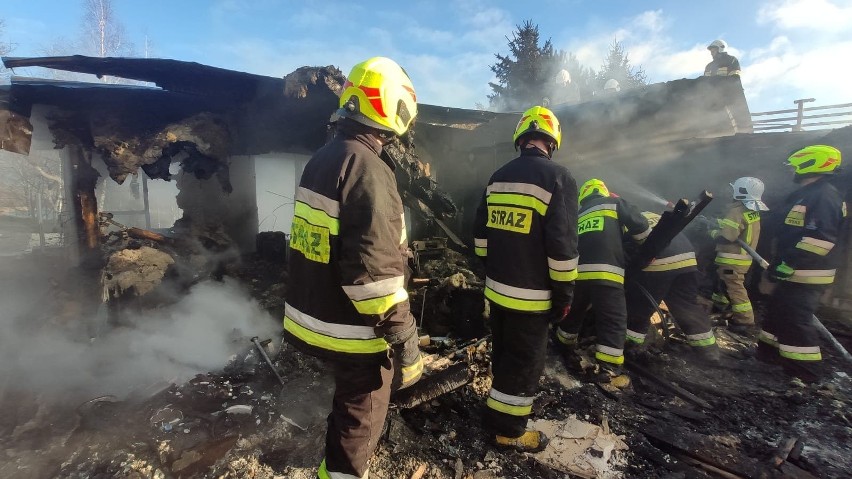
x: 530, y: 441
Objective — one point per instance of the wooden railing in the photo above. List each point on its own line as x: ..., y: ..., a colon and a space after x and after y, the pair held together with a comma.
x: 799, y: 118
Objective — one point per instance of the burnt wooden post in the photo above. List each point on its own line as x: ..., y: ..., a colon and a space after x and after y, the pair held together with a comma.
x: 83, y: 180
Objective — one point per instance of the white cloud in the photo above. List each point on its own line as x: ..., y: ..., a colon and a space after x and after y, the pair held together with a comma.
x: 808, y: 57
x: 818, y: 16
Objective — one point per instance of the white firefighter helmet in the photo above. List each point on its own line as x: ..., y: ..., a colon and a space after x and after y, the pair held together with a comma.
x: 612, y: 86
x: 719, y: 45
x: 563, y: 77
x: 749, y: 190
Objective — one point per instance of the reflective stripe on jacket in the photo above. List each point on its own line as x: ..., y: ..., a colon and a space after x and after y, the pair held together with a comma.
x: 806, y: 240
x: 346, y: 295
x: 678, y: 256
x: 526, y: 230
x: 723, y: 65
x: 601, y: 225
x: 738, y: 223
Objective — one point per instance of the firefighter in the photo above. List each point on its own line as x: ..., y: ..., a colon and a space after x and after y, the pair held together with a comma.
x: 723, y: 64
x: 671, y: 277
x: 603, y: 218
x: 805, y: 261
x: 347, y: 301
x: 742, y: 221
x: 526, y: 232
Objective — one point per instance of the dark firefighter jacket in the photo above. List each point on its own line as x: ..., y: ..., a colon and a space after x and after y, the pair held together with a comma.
x: 738, y: 223
x: 526, y: 227
x: 723, y: 65
x: 678, y: 256
x: 806, y: 241
x: 346, y: 296
x: 601, y: 224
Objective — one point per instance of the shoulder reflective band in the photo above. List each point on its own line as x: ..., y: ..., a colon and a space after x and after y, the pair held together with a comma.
x: 702, y: 339
x: 519, y: 299
x: 403, y: 237
x: 609, y: 355
x: 608, y: 210
x: 796, y: 216
x: 317, y: 209
x: 816, y: 246
x: 377, y: 297
x: 600, y: 271
x: 519, y: 194
x: 733, y: 259
x: 670, y: 263
x: 339, y: 338
x: 562, y: 270
x: 733, y: 72
x: 800, y: 353
x: 480, y: 247
x: 812, y: 276
x: 508, y: 404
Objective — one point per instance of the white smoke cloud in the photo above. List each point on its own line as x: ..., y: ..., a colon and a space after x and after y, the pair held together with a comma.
x: 198, y: 334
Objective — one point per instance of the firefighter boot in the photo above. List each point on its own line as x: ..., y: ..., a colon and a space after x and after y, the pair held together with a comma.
x: 611, y: 375
x: 529, y: 441
x: 707, y: 354
x: 749, y: 330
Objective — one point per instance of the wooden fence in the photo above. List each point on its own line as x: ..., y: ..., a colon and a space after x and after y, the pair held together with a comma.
x: 801, y: 118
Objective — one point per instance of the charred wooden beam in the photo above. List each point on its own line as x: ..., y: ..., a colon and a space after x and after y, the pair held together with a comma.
x: 434, y: 386
x: 83, y: 180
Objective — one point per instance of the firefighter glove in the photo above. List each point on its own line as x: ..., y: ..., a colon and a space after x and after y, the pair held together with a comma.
x: 780, y: 272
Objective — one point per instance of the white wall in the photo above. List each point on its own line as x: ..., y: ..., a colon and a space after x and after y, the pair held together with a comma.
x: 277, y: 178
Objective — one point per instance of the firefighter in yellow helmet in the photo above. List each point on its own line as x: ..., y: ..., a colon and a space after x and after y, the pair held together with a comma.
x: 347, y: 301
x: 671, y: 277
x: 526, y: 232
x: 807, y: 256
x: 603, y: 220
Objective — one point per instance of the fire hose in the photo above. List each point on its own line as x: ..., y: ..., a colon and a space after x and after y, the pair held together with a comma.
x: 817, y: 323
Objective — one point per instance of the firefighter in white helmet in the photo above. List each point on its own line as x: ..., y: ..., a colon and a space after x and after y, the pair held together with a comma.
x: 723, y: 63
x: 612, y: 86
x: 742, y: 221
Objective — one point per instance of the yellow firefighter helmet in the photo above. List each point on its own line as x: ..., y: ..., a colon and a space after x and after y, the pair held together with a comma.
x: 378, y: 93
x: 815, y: 160
x: 593, y: 186
x: 539, y: 119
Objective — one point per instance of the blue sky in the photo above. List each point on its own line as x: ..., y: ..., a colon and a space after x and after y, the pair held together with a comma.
x: 789, y: 49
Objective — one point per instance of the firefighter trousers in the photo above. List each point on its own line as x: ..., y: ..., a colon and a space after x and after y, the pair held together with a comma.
x: 731, y: 291
x: 788, y: 332
x: 678, y: 290
x: 610, y: 319
x: 359, y: 409
x: 519, y: 346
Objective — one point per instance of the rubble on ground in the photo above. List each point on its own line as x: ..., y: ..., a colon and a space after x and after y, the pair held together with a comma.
x: 240, y: 422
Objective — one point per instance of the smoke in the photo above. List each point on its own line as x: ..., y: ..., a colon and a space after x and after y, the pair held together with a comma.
x: 199, y: 333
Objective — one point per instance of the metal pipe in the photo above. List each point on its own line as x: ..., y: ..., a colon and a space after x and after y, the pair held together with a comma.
x: 268, y: 361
